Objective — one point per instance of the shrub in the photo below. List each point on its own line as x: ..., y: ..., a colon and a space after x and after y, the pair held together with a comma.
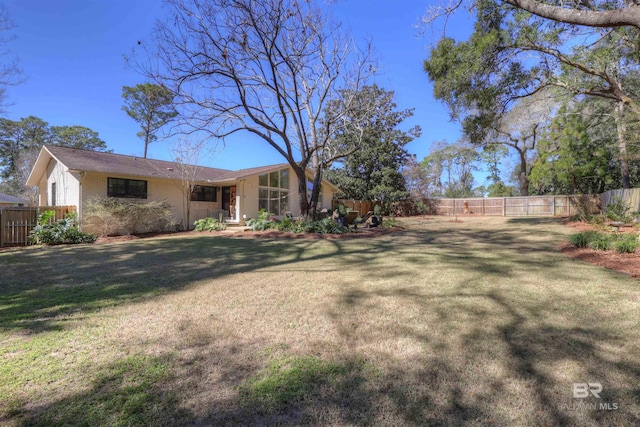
x: 618, y: 210
x: 209, y: 224
x: 627, y: 243
x: 585, y: 205
x: 325, y: 226
x: 263, y: 222
x: 65, y: 230
x: 414, y: 206
x: 390, y: 222
x: 601, y: 242
x: 115, y: 216
x: 582, y: 240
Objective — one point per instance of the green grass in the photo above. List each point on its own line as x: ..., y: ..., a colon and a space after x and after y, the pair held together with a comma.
x: 472, y: 323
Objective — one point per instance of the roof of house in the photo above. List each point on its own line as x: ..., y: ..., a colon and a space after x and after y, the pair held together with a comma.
x: 6, y: 198
x: 96, y: 161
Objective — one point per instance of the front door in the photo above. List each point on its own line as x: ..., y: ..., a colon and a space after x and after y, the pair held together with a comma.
x: 229, y: 201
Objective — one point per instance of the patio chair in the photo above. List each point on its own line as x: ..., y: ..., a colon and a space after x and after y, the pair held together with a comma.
x: 362, y: 220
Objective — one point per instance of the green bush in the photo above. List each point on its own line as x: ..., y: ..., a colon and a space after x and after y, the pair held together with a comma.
x: 618, y: 210
x: 582, y: 240
x: 604, y: 241
x: 65, y: 230
x: 627, y: 243
x: 263, y: 222
x: 209, y: 224
x: 601, y: 242
x: 324, y: 226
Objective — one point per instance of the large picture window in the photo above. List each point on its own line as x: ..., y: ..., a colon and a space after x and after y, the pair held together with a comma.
x: 128, y: 188
x: 204, y: 193
x: 273, y: 193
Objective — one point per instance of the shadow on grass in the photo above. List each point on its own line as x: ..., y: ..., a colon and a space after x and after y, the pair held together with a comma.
x: 484, y: 359
x: 496, y: 363
x: 42, y: 285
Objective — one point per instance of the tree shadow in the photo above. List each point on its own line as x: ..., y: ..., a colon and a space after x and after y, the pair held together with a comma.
x: 470, y: 353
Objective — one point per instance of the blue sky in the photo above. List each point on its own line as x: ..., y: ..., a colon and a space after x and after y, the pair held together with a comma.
x: 72, y: 55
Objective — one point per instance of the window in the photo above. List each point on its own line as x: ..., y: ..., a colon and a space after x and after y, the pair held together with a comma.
x: 273, y: 194
x: 53, y: 194
x: 129, y: 188
x: 204, y: 193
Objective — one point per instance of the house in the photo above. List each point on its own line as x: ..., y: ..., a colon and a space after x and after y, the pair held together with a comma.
x: 68, y: 176
x: 7, y: 201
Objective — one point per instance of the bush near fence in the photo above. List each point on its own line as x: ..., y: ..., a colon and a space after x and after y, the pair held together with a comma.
x: 17, y: 223
x: 631, y: 196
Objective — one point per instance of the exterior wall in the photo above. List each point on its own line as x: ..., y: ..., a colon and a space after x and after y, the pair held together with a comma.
x: 67, y: 186
x: 248, y: 189
x: 95, y: 184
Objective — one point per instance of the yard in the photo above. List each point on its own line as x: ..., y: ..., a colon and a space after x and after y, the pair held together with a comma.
x: 481, y: 322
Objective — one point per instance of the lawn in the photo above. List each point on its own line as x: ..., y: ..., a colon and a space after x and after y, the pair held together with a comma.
x: 481, y: 322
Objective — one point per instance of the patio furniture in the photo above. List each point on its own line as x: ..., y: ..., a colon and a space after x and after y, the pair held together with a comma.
x: 362, y: 220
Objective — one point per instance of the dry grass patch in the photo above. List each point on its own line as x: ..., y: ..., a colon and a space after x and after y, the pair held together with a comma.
x: 471, y: 323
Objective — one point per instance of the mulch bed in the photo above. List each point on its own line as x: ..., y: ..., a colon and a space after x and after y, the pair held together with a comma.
x: 621, y: 262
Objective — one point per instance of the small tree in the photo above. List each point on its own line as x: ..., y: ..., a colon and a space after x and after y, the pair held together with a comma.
x: 151, y: 106
x: 188, y: 154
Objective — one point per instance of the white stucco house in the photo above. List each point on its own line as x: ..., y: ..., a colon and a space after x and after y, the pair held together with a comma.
x: 67, y: 176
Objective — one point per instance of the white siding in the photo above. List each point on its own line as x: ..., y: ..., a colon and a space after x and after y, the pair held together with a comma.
x: 67, y: 186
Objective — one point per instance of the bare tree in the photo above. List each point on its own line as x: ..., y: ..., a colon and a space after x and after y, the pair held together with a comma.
x: 10, y: 71
x: 269, y: 68
x: 520, y: 129
x: 188, y: 154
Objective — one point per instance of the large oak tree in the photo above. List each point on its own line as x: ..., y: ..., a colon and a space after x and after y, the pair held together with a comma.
x: 267, y: 68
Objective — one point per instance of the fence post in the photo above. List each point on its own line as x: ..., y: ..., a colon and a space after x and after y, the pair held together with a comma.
x: 504, y: 206
x: 1, y: 230
x: 526, y: 204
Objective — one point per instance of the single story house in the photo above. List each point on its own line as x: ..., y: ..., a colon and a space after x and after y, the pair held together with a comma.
x: 7, y: 201
x: 68, y: 176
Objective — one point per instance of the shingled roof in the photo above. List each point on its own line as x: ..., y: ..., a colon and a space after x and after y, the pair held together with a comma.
x: 6, y: 198
x: 96, y: 161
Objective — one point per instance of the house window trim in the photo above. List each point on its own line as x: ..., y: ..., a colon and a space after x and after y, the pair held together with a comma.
x: 128, y: 195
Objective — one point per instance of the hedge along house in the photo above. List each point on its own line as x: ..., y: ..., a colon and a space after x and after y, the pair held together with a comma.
x: 67, y: 176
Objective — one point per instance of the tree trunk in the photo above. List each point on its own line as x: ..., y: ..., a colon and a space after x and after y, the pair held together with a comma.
x: 622, y: 145
x: 315, y: 192
x: 523, y: 178
x: 302, y: 191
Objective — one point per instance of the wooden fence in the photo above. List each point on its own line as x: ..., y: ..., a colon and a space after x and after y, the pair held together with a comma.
x: 630, y: 196
x: 17, y: 223
x: 362, y: 206
x: 509, y: 206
